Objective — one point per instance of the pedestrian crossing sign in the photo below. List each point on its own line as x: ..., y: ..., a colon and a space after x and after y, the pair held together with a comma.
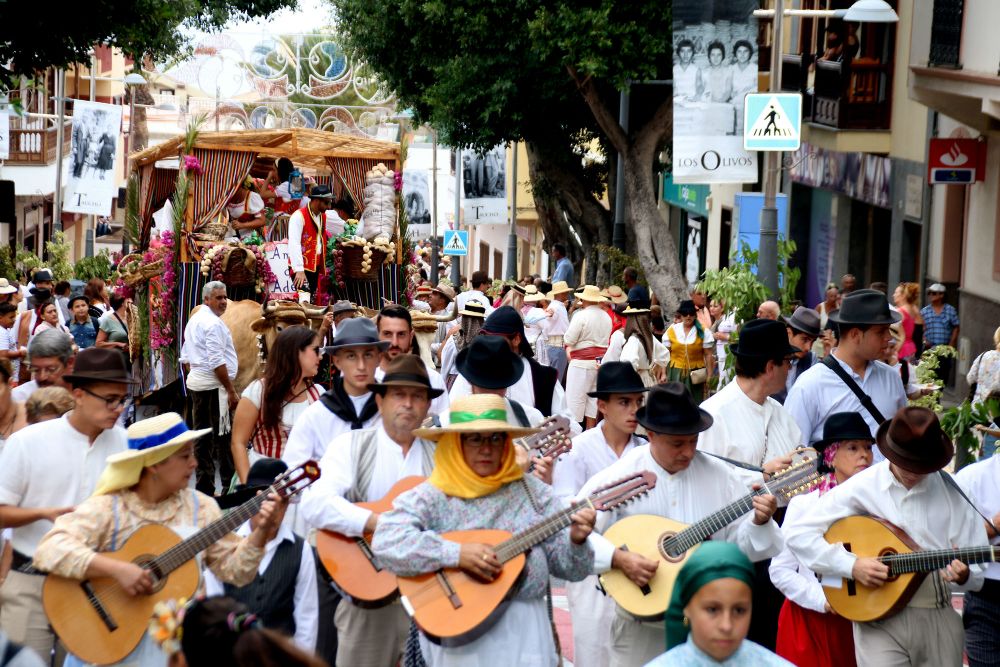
x: 456, y: 242
x: 772, y: 122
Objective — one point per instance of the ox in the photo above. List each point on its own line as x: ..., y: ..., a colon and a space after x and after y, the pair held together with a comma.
x: 255, y: 327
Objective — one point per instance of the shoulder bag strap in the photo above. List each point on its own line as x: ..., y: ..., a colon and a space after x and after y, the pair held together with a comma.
x: 950, y: 481
x: 865, y: 399
x: 738, y: 464
x: 522, y: 416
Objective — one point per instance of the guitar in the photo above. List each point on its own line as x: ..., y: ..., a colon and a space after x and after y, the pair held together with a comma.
x: 101, y: 624
x: 453, y: 608
x: 670, y: 542
x: 351, y: 563
x: 868, y: 537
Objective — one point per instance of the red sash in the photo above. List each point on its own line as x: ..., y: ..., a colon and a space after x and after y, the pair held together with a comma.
x: 312, y: 258
x: 587, y: 353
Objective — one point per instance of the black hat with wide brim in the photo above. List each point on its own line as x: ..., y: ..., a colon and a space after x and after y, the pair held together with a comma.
x: 865, y: 306
x: 670, y: 410
x: 617, y: 377
x: 763, y: 339
x: 488, y: 362
x: 505, y: 321
x: 261, y: 475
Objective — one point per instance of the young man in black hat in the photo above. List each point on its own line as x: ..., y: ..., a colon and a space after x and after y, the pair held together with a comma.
x: 620, y: 394
x: 362, y: 466
x: 803, y: 330
x: 689, y: 486
x: 906, y: 491
x: 307, y: 239
x: 45, y: 470
x: 863, y: 331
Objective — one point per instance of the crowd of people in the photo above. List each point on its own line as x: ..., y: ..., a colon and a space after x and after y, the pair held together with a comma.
x: 710, y: 410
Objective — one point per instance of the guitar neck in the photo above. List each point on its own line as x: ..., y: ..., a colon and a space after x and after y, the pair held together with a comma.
x: 936, y: 559
x: 184, y: 551
x: 702, y: 529
x: 540, y: 532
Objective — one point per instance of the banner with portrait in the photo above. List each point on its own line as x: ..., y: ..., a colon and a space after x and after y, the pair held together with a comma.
x: 90, y: 182
x: 484, y: 186
x: 715, y: 66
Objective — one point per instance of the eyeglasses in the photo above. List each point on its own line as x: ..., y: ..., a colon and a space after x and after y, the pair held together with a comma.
x: 491, y: 440
x: 47, y: 371
x: 110, y: 402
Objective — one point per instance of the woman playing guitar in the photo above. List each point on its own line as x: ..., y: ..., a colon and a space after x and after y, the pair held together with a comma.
x: 476, y: 483
x: 148, y: 484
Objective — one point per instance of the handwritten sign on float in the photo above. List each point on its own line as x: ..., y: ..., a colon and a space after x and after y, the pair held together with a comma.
x: 277, y: 258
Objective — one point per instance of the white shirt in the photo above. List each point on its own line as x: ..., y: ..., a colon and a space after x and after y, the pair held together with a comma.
x: 448, y: 355
x: 615, y: 345
x: 296, y: 223
x: 439, y: 405
x: 305, y: 600
x: 315, y: 428
x: 323, y: 504
x: 690, y: 495
x: 522, y: 391
x: 818, y: 393
x: 686, y: 80
x: 590, y: 327
x: 796, y: 581
x: 253, y: 205
x: 559, y: 322
x: 981, y: 482
x: 474, y: 295
x: 51, y: 464
x: 634, y: 353
x: 727, y: 326
x: 208, y: 344
x: 23, y: 391
x: 591, y: 454
x: 746, y: 431
x: 535, y: 323
x: 932, y: 514
x: 689, y: 337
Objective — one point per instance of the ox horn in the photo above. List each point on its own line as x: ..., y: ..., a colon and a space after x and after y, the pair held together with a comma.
x: 448, y: 317
x: 267, y: 308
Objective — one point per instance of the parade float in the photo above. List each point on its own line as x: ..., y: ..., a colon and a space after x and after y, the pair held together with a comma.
x: 193, y: 176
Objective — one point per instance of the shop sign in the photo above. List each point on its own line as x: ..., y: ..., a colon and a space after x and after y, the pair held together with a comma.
x: 956, y: 161
x: 861, y: 176
x: 690, y: 197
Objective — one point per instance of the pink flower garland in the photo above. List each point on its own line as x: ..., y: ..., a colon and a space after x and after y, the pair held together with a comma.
x: 161, y: 328
x: 191, y: 163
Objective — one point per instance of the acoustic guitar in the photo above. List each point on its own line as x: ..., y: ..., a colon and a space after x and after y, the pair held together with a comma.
x: 868, y: 537
x: 101, y: 624
x: 350, y: 561
x: 670, y: 542
x: 453, y: 607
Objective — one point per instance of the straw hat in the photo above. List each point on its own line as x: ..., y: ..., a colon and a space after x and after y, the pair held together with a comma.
x: 615, y: 295
x: 560, y: 287
x: 6, y: 287
x: 476, y: 413
x: 150, y: 441
x: 591, y: 294
x: 635, y: 311
x: 532, y: 295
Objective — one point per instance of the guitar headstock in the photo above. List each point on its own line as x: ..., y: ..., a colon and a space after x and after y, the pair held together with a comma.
x: 296, y: 479
x: 799, y: 477
x: 552, y: 440
x: 615, y: 494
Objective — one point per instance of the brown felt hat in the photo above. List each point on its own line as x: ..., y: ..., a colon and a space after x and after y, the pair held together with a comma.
x: 406, y: 370
x: 914, y: 441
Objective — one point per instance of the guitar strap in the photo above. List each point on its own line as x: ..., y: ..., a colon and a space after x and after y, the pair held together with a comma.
x: 950, y: 481
x: 865, y: 399
x: 519, y: 413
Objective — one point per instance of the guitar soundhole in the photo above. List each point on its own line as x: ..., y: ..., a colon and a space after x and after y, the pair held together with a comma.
x: 889, y: 551
x: 147, y: 562
x: 664, y: 554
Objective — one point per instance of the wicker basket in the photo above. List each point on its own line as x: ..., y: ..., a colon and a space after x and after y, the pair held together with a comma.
x: 239, y: 268
x: 134, y: 277
x: 214, y: 231
x: 353, y: 256
x: 157, y: 268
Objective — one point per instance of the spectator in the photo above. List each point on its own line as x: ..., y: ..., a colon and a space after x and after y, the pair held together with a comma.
x: 480, y: 283
x: 50, y: 354
x: 701, y: 308
x: 940, y: 327
x: 638, y: 295
x: 905, y: 297
x: 985, y: 372
x: 48, y: 318
x: 848, y: 283
x: 47, y: 403
x: 564, y: 267
x: 96, y: 297
x: 9, y: 349
x: 82, y: 326
x: 723, y: 326
x: 113, y: 332
x: 63, y: 291
x: 769, y: 310
x: 6, y: 290
x: 209, y: 353
x: 831, y: 303
x: 690, y: 351
x: 12, y: 415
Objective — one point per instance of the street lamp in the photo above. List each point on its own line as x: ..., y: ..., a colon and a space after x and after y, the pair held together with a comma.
x: 871, y: 11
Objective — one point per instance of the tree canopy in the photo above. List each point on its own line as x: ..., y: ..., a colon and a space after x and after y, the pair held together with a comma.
x: 34, y: 40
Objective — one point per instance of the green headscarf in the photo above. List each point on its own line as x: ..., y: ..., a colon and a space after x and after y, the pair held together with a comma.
x: 710, y: 561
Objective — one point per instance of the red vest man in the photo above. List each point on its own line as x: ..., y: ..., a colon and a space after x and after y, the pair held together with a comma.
x: 307, y: 239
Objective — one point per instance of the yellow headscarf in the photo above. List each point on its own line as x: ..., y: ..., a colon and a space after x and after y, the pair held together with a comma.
x: 455, y: 478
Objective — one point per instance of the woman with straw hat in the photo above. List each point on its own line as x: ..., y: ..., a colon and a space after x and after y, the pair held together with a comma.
x: 586, y: 340
x: 148, y: 484
x: 477, y: 484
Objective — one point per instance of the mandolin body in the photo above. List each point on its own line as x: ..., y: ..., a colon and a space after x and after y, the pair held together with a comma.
x: 91, y: 637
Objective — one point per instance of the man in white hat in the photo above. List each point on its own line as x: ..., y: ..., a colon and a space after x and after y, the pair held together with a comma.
x: 48, y: 468
x: 555, y: 308
x: 587, y: 341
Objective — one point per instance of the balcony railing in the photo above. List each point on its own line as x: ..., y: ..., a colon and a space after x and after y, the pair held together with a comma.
x: 946, y: 34
x: 853, y: 95
x: 34, y: 142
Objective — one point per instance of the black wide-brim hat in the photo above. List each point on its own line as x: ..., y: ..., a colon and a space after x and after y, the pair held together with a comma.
x: 805, y: 320
x: 488, y: 362
x: 686, y: 307
x: 261, y: 475
x: 670, y: 410
x: 617, y: 377
x: 914, y: 441
x: 864, y: 306
x: 763, y: 339
x: 841, y: 427
x: 505, y: 321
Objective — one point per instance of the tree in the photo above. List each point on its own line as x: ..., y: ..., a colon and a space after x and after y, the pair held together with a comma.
x: 34, y: 40
x: 546, y: 72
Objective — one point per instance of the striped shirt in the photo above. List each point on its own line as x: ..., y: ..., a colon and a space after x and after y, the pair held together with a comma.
x: 938, y: 327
